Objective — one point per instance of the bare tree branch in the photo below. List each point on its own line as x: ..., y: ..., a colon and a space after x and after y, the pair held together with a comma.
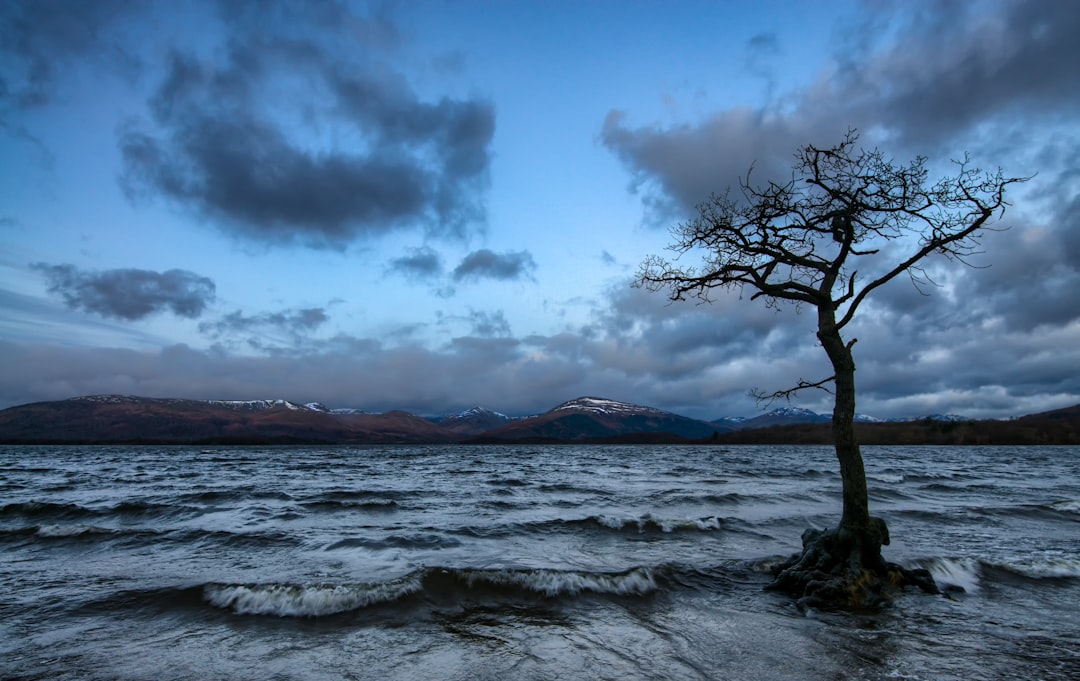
x: 767, y: 399
x: 796, y: 241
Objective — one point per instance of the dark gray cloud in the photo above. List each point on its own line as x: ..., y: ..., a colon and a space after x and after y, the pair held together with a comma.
x: 978, y: 369
x: 32, y: 318
x: 247, y: 175
x: 359, y: 154
x: 129, y: 293
x: 486, y: 264
x: 759, y: 49
x: 40, y: 39
x: 486, y: 350
x: 674, y: 169
x: 481, y: 324
x: 688, y: 356
x: 764, y: 43
x: 422, y: 263
x: 292, y: 322
x: 958, y: 65
x: 1031, y: 282
x: 948, y: 69
x: 488, y: 324
x: 934, y: 356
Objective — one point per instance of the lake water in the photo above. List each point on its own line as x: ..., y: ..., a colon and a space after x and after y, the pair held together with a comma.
x: 559, y: 562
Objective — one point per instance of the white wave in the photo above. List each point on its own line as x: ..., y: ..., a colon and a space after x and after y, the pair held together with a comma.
x: 1043, y: 567
x: 612, y: 522
x: 956, y: 572
x: 70, y: 530
x: 560, y: 583
x: 704, y: 524
x: 889, y: 478
x: 1071, y: 506
x: 289, y: 600
x: 666, y: 525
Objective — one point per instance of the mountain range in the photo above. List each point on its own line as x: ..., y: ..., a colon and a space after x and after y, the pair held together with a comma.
x: 130, y: 419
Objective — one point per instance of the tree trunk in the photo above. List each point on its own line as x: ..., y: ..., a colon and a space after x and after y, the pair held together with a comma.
x: 856, y: 517
x: 843, y: 567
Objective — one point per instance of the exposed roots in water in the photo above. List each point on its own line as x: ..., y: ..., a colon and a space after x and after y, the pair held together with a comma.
x: 843, y: 569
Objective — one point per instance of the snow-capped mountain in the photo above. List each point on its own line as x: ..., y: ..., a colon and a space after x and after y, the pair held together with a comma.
x: 730, y: 421
x: 601, y: 419
x: 793, y: 415
x: 481, y: 412
x: 785, y: 416
x: 234, y: 405
x: 599, y: 405
x: 473, y: 421
x: 126, y: 418
x: 931, y: 417
x: 776, y: 417
x: 265, y: 405
x: 131, y: 419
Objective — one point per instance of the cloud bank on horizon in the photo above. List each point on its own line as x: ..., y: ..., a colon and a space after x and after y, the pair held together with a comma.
x: 430, y: 208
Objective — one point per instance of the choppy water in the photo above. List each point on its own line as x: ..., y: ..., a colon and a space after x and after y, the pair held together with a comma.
x: 521, y: 563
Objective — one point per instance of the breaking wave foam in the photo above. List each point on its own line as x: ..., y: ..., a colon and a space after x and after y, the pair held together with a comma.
x: 648, y: 522
x: 552, y: 583
x: 57, y: 531
x: 967, y: 574
x: 1046, y: 567
x: 442, y: 584
x: 1070, y: 506
x: 960, y: 574
x: 290, y: 600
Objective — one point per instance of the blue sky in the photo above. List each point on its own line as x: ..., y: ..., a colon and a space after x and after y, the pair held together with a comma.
x: 434, y: 205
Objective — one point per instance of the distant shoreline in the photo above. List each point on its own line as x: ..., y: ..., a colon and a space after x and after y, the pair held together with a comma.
x: 585, y: 421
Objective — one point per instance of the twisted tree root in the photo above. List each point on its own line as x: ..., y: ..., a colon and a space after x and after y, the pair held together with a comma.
x: 843, y: 569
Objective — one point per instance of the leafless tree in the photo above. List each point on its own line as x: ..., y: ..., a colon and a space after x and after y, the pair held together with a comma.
x: 810, y: 241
